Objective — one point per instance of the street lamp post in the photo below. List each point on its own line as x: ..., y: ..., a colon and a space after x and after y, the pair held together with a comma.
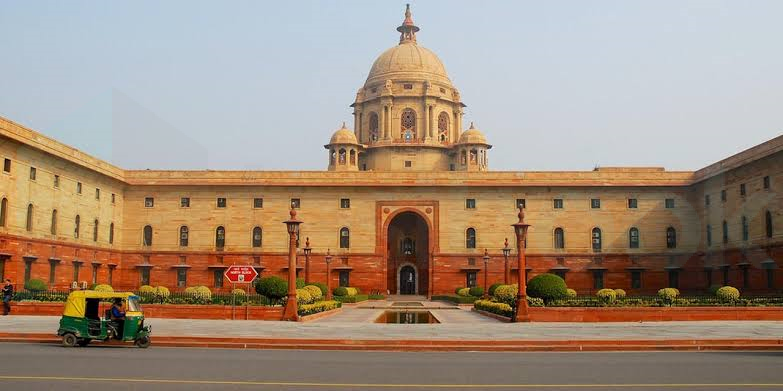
x: 486, y: 266
x: 292, y: 224
x: 506, y: 270
x: 520, y: 230
x: 328, y: 259
x: 307, y: 250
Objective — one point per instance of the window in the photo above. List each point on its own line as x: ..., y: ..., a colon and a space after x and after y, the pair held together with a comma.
x: 596, y: 239
x: 709, y: 235
x: 220, y: 237
x: 632, y: 203
x: 768, y: 221
x: 725, y: 272
x: 95, y: 231
x: 97, y: 194
x: 470, y: 203
x: 708, y: 278
x: 595, y: 203
x: 76, y: 267
x: 110, y: 275
x: 558, y: 272
x: 77, y: 223
x: 94, y: 273
x: 56, y: 181
x: 257, y: 236
x: 345, y: 238
x: 742, y: 190
x: 520, y: 203
x: 373, y: 127
x: 182, y: 277
x: 7, y: 165
x: 443, y: 127
x: 671, y: 237
x: 407, y: 86
x: 707, y: 200
x: 144, y: 274
x: 296, y: 203
x: 217, y: 277
x: 345, y: 203
x: 636, y: 279
x: 745, y: 229
x: 408, y: 164
x: 113, y: 198
x: 32, y: 173
x: 184, y: 202
x: 28, y: 270
x: 3, y: 211
x: 184, y: 236
x: 771, y: 278
x: 258, y: 203
x: 766, y: 183
x: 52, y: 272
x: 408, y: 125
x: 633, y: 237
x: 723, y: 195
x: 29, y: 222
x: 149, y: 202
x: 345, y: 278
x: 559, y: 238
x: 674, y: 279
x: 147, y: 235
x: 53, y: 228
x: 598, y: 279
x: 471, y: 279
x: 558, y: 203
x: 669, y: 203
x: 78, y: 188
x: 725, y: 227
x: 111, y: 233
x: 221, y: 202
x: 470, y: 238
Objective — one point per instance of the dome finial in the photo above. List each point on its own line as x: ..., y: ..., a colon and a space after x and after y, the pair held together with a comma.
x: 344, y: 125
x: 471, y: 125
x: 407, y: 29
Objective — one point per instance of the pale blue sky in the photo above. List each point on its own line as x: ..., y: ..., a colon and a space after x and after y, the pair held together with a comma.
x: 555, y: 85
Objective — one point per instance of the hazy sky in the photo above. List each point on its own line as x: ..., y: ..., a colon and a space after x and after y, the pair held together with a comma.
x: 555, y: 85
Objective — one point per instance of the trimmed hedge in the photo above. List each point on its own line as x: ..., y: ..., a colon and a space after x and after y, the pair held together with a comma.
x: 238, y: 292
x: 150, y: 290
x: 547, y: 286
x: 476, y: 291
x: 345, y: 291
x: 320, y: 306
x: 506, y: 293
x: 606, y: 295
x: 570, y: 293
x: 35, y: 285
x: 303, y: 296
x: 273, y: 287
x: 376, y: 296
x: 493, y: 287
x: 728, y: 294
x: 320, y: 286
x: 456, y: 299
x: 315, y: 292
x: 465, y: 292
x: 352, y: 299
x: 103, y: 288
x: 620, y: 293
x: 668, y: 294
x: 494, y: 307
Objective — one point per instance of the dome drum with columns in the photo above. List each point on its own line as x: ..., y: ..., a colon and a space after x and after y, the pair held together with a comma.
x: 408, y: 115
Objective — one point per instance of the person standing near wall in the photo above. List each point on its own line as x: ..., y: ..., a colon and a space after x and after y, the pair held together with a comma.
x: 8, y: 293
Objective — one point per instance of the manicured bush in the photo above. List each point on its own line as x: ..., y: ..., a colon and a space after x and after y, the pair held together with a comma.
x: 494, y: 307
x: 534, y: 302
x: 455, y: 299
x: 668, y: 294
x: 203, y: 293
x: 728, y: 294
x: 570, y: 293
x: 149, y: 290
x: 340, y: 291
x: 607, y: 296
x: 456, y: 290
x: 300, y: 283
x: 162, y: 292
x: 464, y: 292
x: 321, y: 286
x: 352, y: 291
x: 493, y: 287
x: 547, y: 287
x: 238, y: 292
x: 321, y: 306
x: 620, y: 294
x: 506, y: 293
x: 476, y: 291
x: 352, y: 299
x: 35, y: 285
x: 273, y: 287
x: 303, y: 296
x: 315, y: 292
x: 103, y: 288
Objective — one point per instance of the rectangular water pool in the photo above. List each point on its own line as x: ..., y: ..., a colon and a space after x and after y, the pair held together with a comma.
x: 406, y: 317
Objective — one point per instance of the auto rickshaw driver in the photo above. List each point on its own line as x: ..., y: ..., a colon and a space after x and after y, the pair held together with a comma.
x: 118, y: 316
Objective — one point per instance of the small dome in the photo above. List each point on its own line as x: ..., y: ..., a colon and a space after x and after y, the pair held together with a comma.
x: 472, y: 136
x: 343, y: 136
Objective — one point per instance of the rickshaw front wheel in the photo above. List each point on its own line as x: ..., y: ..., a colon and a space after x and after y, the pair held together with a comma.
x: 143, y: 342
x: 69, y: 340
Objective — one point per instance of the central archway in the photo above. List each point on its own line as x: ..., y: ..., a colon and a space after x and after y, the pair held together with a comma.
x: 408, y: 254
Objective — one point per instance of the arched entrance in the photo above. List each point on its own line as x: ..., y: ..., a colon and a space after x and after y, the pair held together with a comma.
x: 408, y: 254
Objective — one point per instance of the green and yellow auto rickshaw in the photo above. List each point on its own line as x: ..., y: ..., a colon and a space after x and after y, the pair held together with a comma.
x: 82, y: 322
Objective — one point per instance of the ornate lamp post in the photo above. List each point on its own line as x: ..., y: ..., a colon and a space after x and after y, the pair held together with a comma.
x: 506, y: 270
x: 520, y: 229
x: 328, y: 259
x: 292, y: 224
x: 486, y: 266
x: 307, y: 250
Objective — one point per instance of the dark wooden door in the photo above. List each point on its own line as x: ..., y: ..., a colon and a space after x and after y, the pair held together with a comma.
x: 407, y: 280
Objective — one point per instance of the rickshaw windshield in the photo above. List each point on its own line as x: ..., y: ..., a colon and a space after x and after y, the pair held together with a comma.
x: 133, y: 304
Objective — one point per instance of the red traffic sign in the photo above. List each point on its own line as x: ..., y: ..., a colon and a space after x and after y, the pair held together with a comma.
x: 241, y: 274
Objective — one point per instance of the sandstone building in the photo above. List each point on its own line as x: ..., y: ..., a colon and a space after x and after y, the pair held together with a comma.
x: 408, y: 205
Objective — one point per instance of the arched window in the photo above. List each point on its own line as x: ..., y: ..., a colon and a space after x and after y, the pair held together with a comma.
x: 408, y: 125
x: 29, y: 223
x: 671, y: 237
x: 184, y: 236
x: 633, y: 237
x: 341, y: 156
x: 725, y: 227
x: 559, y: 238
x: 443, y: 127
x: 470, y: 238
x: 111, y: 233
x: 768, y: 220
x: 76, y: 226
x: 95, y: 231
x: 473, y: 156
x: 332, y: 156
x: 463, y: 157
x: 54, y: 222
x: 345, y: 237
x: 596, y: 239
x: 373, y: 127
x: 257, y: 236
x: 3, y: 211
x: 353, y: 157
x: 147, y: 237
x: 220, y: 237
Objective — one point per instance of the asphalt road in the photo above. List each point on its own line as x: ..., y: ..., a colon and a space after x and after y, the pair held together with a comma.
x: 51, y: 367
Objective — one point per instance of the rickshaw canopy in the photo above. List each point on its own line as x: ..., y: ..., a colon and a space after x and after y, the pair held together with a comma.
x: 76, y: 302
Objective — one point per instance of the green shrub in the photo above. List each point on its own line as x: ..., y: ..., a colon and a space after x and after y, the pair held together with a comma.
x: 607, y: 296
x: 300, y: 283
x: 506, y: 293
x: 238, y: 292
x: 352, y: 291
x: 713, y: 289
x: 321, y: 306
x: 273, y: 287
x: 149, y: 290
x: 534, y: 302
x: 162, y: 292
x: 464, y: 292
x: 620, y: 294
x: 352, y: 299
x: 103, y: 288
x: 668, y: 294
x: 315, y: 292
x: 203, y: 293
x: 455, y: 299
x: 494, y: 307
x: 456, y: 290
x: 728, y: 294
x: 547, y: 286
x: 340, y: 291
x: 35, y: 285
x: 570, y: 293
x: 303, y: 296
x: 476, y: 291
x: 376, y: 296
x: 493, y: 287
x: 321, y: 286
